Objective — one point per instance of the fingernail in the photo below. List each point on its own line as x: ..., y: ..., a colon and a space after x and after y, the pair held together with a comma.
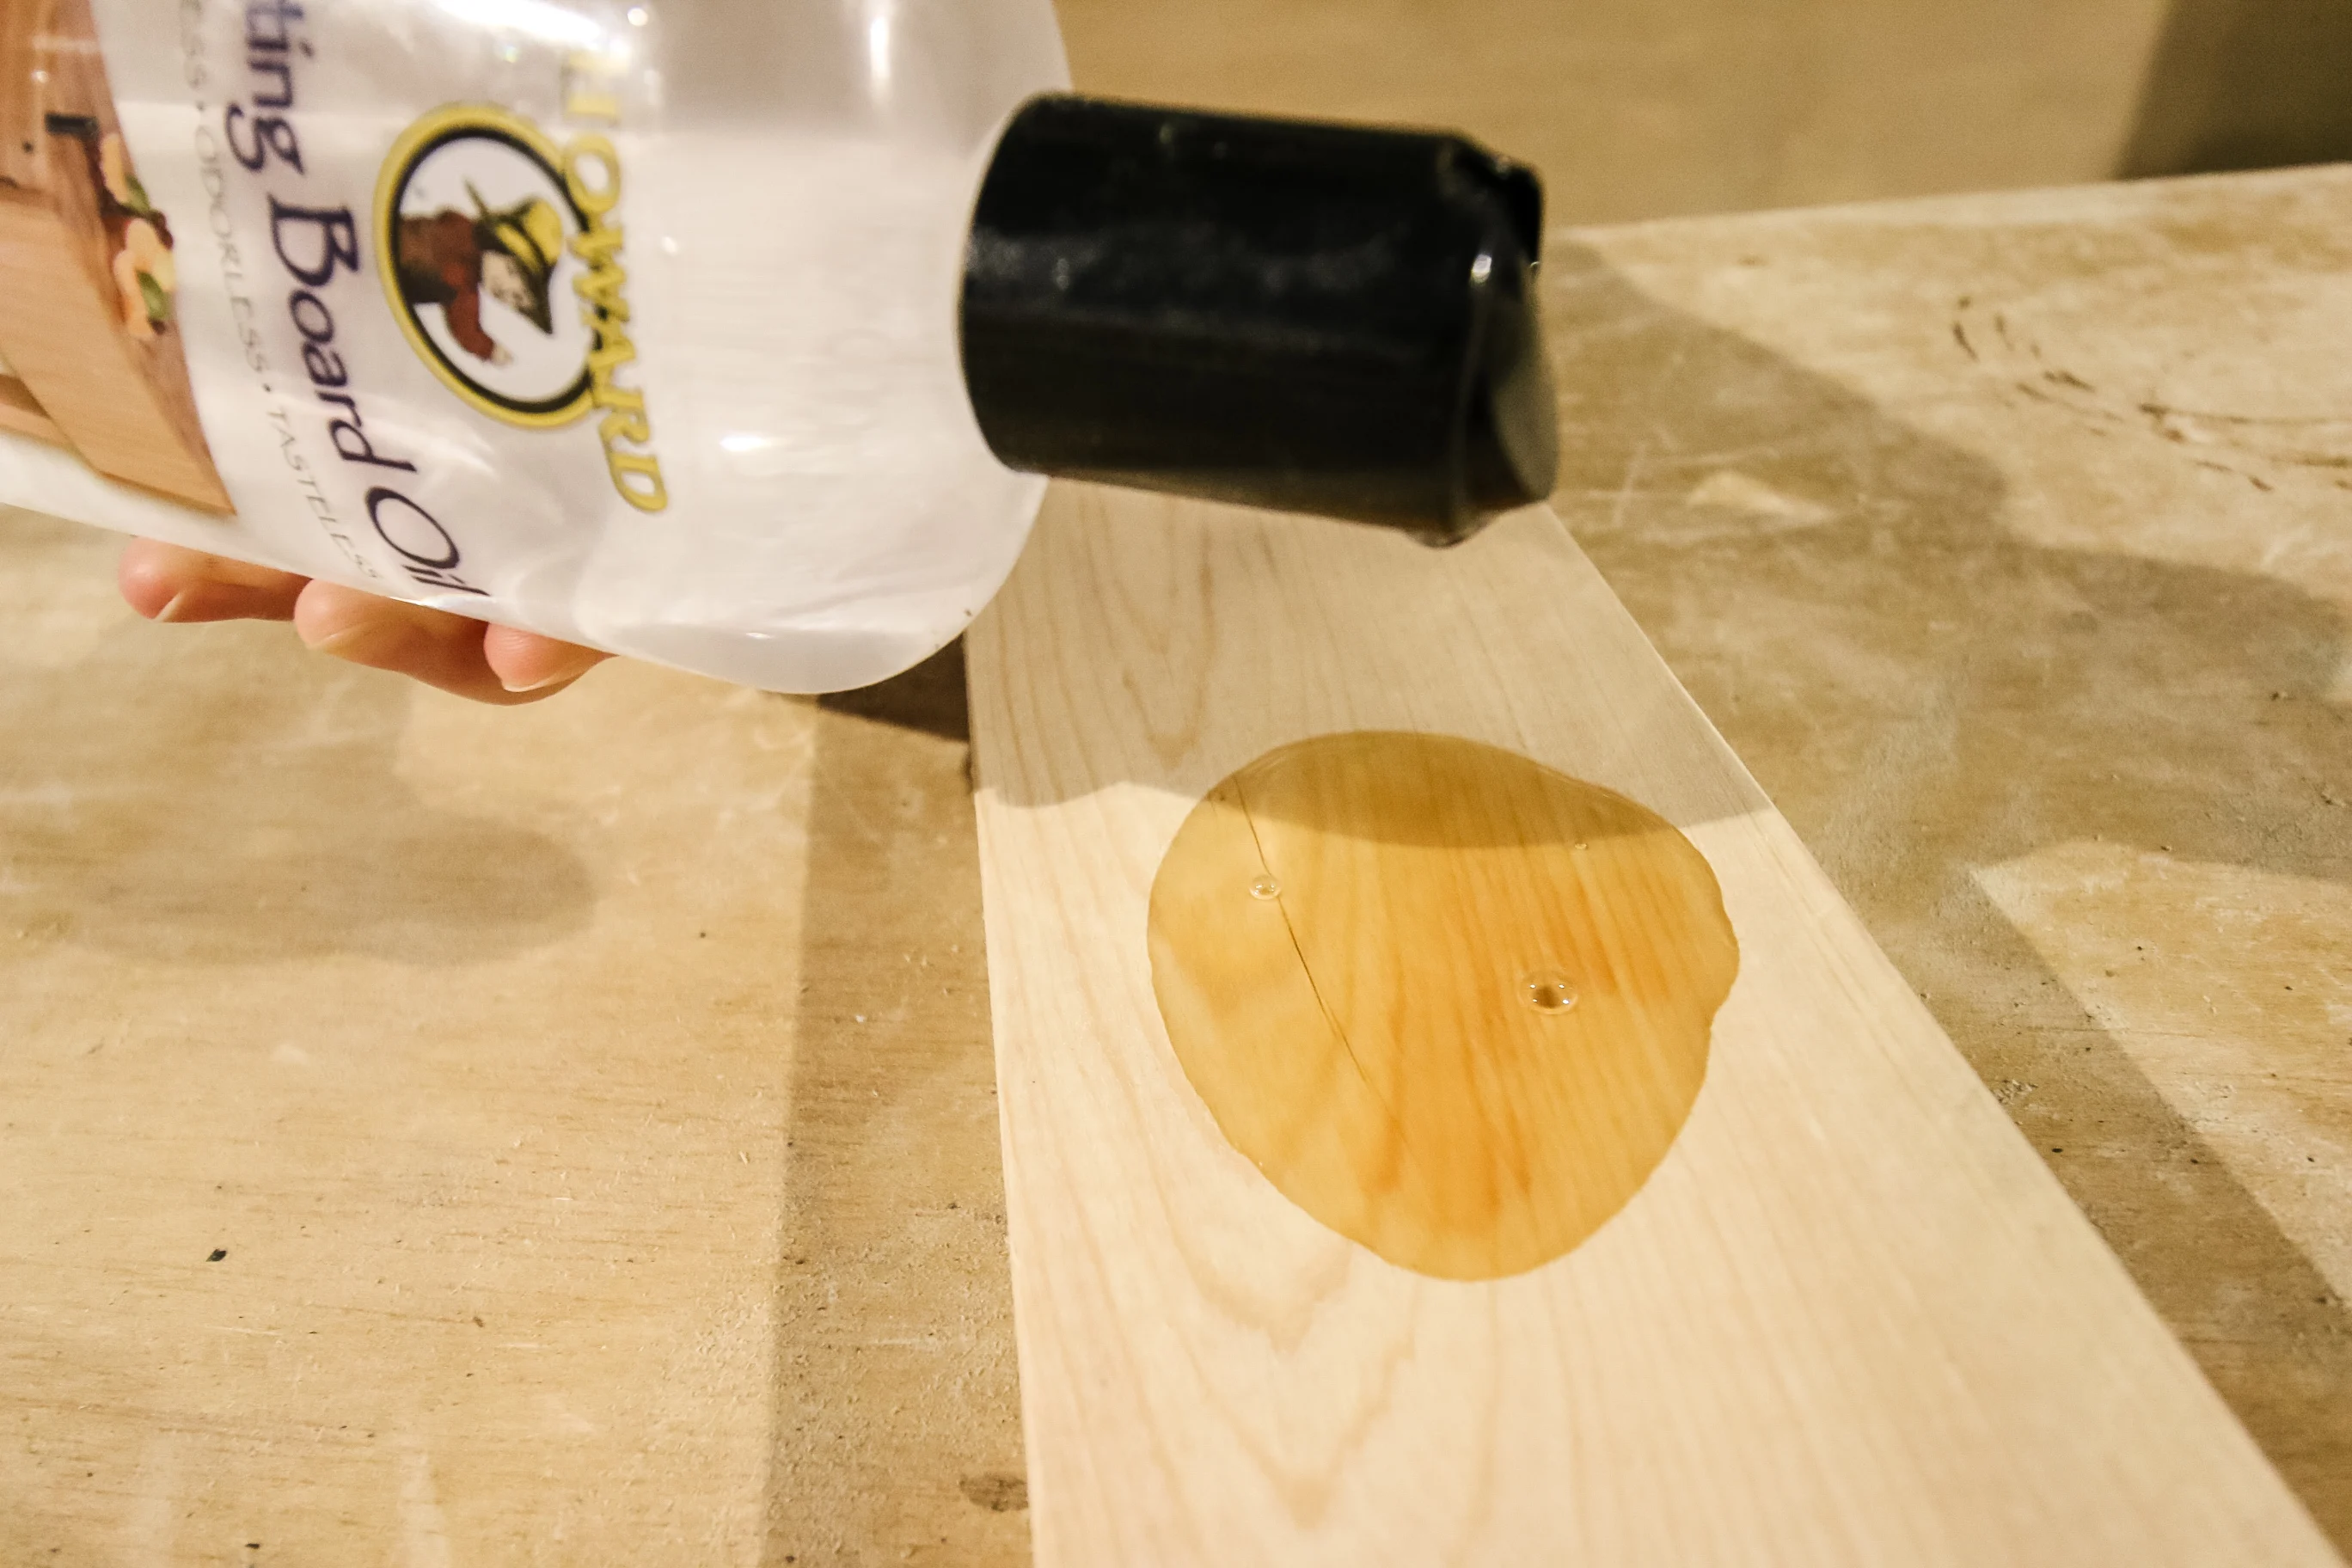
x: 571, y: 669
x: 368, y: 642
x: 171, y: 610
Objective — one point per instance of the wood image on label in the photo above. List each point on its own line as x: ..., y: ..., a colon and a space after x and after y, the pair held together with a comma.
x: 92, y: 368
x: 1453, y: 1005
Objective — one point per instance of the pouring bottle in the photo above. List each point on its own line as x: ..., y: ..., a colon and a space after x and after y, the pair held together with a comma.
x: 739, y: 335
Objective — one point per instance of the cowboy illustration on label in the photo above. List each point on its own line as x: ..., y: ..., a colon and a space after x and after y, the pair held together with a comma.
x: 501, y: 255
x: 476, y: 227
x: 451, y: 259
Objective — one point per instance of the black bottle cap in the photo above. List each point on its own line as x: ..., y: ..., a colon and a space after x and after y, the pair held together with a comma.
x: 1316, y: 318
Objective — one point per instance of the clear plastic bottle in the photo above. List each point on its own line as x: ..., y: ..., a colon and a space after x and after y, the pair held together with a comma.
x: 647, y: 325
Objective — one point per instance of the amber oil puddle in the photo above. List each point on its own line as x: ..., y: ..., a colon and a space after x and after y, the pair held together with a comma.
x: 1454, y: 1004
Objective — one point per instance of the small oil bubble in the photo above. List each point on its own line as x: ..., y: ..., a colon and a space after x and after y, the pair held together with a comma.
x: 1266, y: 888
x: 1548, y: 991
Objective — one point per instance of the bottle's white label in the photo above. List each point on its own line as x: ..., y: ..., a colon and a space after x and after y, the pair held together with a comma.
x: 410, y: 327
x: 631, y: 324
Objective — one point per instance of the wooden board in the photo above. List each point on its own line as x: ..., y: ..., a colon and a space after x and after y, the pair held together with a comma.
x: 124, y: 402
x: 1850, y: 1318
x: 1638, y: 108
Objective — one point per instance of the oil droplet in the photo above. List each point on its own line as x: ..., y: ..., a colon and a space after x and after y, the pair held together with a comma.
x: 1266, y: 888
x: 1360, y: 1053
x: 1549, y: 990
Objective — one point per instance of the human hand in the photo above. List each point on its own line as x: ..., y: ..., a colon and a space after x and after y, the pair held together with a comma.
x: 469, y: 657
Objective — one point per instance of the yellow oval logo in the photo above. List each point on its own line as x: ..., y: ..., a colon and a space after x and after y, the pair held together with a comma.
x: 474, y: 232
x: 501, y: 258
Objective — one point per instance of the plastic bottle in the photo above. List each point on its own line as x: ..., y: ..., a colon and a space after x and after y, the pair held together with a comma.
x: 735, y: 334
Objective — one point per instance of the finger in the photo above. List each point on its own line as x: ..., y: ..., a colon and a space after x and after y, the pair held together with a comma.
x: 532, y: 666
x: 432, y: 645
x: 166, y: 582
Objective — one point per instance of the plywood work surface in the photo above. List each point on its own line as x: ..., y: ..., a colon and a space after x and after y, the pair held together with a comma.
x: 2009, y: 541
x: 442, y: 1135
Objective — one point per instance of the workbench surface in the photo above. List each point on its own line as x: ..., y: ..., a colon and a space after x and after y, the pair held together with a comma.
x: 456, y: 1135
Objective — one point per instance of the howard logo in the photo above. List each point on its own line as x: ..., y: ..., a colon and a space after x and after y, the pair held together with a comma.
x: 503, y: 267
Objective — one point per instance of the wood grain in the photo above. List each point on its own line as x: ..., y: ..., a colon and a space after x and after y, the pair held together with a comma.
x: 1851, y: 1319
x: 1453, y: 1005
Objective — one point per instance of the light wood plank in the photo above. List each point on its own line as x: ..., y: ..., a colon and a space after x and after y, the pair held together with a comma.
x: 1850, y: 1318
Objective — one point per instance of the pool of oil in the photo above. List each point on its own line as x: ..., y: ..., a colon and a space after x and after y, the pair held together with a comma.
x: 1455, y: 1005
